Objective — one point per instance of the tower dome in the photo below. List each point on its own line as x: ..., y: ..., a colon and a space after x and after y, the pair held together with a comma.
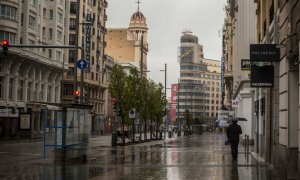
x: 138, y: 22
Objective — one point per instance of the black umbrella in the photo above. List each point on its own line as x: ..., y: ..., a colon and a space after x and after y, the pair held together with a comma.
x: 236, y: 119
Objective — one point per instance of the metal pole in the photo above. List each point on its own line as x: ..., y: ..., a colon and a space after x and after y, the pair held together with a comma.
x: 166, y: 91
x: 142, y: 49
x: 179, y: 133
x: 81, y: 78
x: 76, y: 48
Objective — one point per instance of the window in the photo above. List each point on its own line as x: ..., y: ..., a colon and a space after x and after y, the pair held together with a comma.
x: 10, y: 89
x: 73, y: 8
x: 72, y: 39
x: 44, y: 13
x: 50, y: 53
x: 1, y: 87
x: 22, y: 18
x: 50, y: 33
x: 8, y: 12
x: 71, y: 56
x: 31, y: 21
x: 70, y: 71
x: 44, y: 32
x: 29, y: 85
x: 59, y: 35
x: 20, y: 90
x: 49, y: 94
x: 68, y: 89
x: 72, y: 24
x: 51, y: 14
x: 11, y: 37
x: 58, y: 55
x: 41, y: 94
x: 32, y: 2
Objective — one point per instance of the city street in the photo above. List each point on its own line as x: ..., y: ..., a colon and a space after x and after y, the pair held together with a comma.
x: 202, y: 157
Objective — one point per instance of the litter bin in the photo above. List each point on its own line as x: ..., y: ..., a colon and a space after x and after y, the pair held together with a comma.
x: 114, y: 138
x: 170, y: 134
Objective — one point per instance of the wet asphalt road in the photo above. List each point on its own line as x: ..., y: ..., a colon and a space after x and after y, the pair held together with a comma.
x: 203, y: 157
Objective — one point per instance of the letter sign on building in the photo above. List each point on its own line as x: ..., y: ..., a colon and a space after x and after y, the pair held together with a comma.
x: 88, y: 40
x: 264, y: 52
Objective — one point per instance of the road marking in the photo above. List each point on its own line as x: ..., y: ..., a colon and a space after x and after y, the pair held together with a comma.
x: 32, y: 154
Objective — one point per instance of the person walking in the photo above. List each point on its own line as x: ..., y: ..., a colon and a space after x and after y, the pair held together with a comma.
x: 233, y: 134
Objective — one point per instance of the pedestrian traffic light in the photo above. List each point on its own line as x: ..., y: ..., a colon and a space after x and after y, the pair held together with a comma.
x: 114, y: 100
x: 5, y: 44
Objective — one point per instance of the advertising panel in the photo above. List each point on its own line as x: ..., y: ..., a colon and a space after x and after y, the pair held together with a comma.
x: 173, y: 106
x: 25, y: 121
x: 262, y: 76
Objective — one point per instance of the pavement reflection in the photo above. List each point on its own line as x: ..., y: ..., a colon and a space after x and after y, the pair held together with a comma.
x: 202, y: 157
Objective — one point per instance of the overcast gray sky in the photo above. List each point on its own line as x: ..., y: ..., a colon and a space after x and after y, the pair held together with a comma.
x: 166, y: 20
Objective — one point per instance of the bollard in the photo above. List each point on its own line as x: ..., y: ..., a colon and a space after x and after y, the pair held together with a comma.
x: 113, y: 139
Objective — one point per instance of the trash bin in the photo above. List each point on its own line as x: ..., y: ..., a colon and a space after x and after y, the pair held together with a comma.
x: 114, y: 139
x: 170, y: 134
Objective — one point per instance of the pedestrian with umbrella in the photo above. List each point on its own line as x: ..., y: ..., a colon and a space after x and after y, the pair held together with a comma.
x: 233, y: 134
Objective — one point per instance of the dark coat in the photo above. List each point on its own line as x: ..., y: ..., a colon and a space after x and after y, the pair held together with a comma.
x: 233, y: 132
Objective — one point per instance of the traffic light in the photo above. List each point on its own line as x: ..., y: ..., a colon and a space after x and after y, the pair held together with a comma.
x: 77, y: 94
x: 5, y: 44
x: 114, y: 100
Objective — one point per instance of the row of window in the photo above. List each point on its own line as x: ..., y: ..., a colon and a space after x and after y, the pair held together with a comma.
x: 8, y: 12
x: 200, y: 75
x: 193, y: 68
x: 36, y: 96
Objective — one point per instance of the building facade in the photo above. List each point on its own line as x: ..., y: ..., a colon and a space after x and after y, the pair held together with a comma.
x: 275, y: 111
x: 239, y: 31
x: 94, y: 87
x: 199, y: 84
x: 30, y: 77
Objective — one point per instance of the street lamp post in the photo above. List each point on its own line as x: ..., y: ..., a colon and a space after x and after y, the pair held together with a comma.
x: 165, y: 70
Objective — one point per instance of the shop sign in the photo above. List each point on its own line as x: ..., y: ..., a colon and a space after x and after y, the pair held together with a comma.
x: 245, y: 64
x: 235, y: 103
x: 264, y: 52
x: 262, y: 76
x: 25, y: 122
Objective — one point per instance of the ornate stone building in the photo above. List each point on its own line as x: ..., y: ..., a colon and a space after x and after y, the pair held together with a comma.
x: 30, y: 78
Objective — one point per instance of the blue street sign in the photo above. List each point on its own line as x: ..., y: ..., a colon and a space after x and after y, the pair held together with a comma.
x: 82, y: 64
